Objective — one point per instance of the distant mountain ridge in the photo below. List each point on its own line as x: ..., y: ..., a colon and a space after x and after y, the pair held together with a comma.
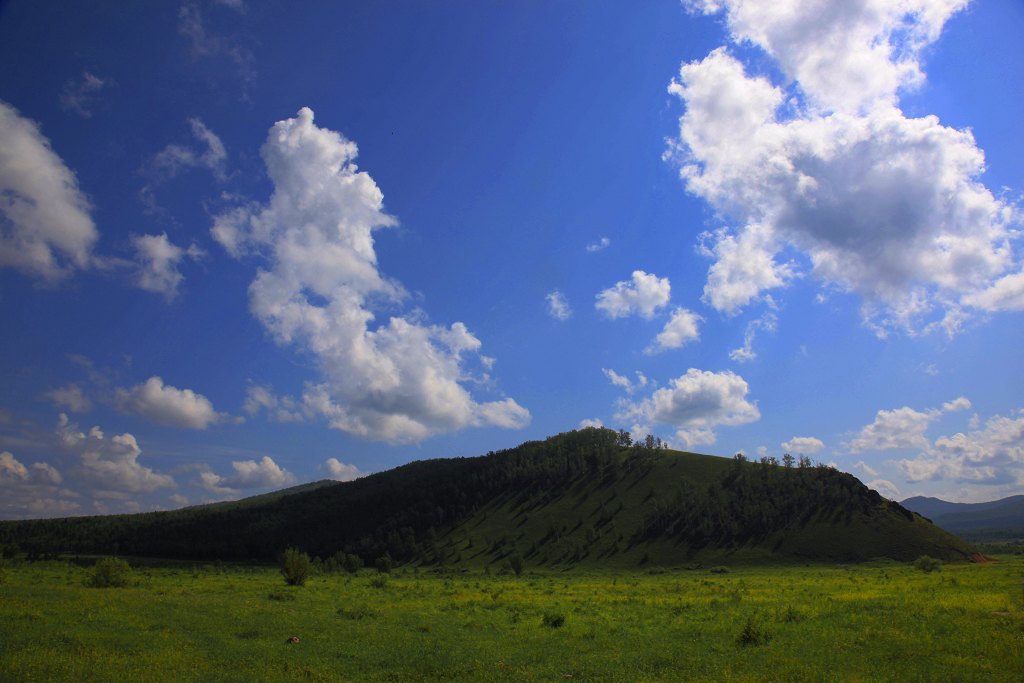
x: 588, y: 497
x: 1005, y: 515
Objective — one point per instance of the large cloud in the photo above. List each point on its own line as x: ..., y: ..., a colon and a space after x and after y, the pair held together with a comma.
x: 110, y: 464
x: 246, y: 474
x: 902, y: 427
x: 993, y: 454
x: 168, y: 405
x: 695, y: 404
x: 32, y: 491
x: 45, y: 227
x: 879, y: 204
x: 847, y: 55
x: 804, y: 445
x: 397, y: 381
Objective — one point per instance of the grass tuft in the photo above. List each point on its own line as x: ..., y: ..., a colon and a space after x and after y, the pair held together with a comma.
x: 753, y: 633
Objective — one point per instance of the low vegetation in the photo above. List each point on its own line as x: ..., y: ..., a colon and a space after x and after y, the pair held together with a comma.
x: 295, y: 567
x: 110, y: 572
x: 881, y: 621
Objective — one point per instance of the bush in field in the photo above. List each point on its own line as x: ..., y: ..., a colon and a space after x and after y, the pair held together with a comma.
x: 110, y: 572
x: 384, y: 564
x: 351, y: 563
x: 928, y: 564
x: 295, y: 567
x: 515, y: 563
x: 552, y: 620
x: 752, y: 633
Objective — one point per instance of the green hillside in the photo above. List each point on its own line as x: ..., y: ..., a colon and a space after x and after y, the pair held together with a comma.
x: 588, y: 497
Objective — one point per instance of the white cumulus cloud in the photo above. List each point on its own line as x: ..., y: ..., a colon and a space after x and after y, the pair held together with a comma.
x: 112, y: 464
x: 246, y: 474
x: 46, y: 229
x: 643, y: 296
x: 990, y: 454
x: 32, y: 491
x: 902, y: 427
x: 397, y: 380
x: 157, y: 260
x: 695, y: 404
x: 682, y: 328
x: 803, y: 445
x: 847, y: 55
x: 168, y: 405
x: 871, y: 202
x: 342, y: 471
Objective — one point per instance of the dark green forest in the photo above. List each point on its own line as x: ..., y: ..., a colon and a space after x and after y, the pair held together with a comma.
x: 584, y: 496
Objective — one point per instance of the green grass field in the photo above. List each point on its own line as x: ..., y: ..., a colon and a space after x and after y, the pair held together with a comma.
x: 880, y: 622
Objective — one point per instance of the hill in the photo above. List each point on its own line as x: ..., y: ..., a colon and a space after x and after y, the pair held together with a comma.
x: 1004, y: 517
x: 588, y: 497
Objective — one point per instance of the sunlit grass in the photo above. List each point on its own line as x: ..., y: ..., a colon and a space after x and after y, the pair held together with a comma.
x: 887, y: 622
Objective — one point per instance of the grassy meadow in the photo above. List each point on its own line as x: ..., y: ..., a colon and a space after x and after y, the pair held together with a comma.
x: 875, y: 622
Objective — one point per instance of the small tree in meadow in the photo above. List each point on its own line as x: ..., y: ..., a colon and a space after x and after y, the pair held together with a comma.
x: 110, y: 572
x: 351, y: 563
x: 928, y: 564
x: 515, y: 563
x: 384, y: 564
x: 295, y: 567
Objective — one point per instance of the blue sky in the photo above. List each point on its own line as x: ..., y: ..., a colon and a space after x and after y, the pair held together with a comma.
x: 250, y: 244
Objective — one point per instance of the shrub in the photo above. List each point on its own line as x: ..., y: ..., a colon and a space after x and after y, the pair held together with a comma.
x: 752, y: 633
x: 384, y: 564
x: 515, y: 563
x: 719, y: 570
x: 552, y: 620
x: 351, y: 563
x: 110, y: 572
x: 379, y: 581
x: 295, y: 567
x: 928, y: 564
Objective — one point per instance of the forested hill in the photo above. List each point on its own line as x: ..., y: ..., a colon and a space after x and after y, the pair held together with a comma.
x: 586, y: 497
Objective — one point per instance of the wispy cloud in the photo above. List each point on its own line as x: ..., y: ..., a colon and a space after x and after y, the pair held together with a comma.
x: 558, y: 307
x: 50, y: 231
